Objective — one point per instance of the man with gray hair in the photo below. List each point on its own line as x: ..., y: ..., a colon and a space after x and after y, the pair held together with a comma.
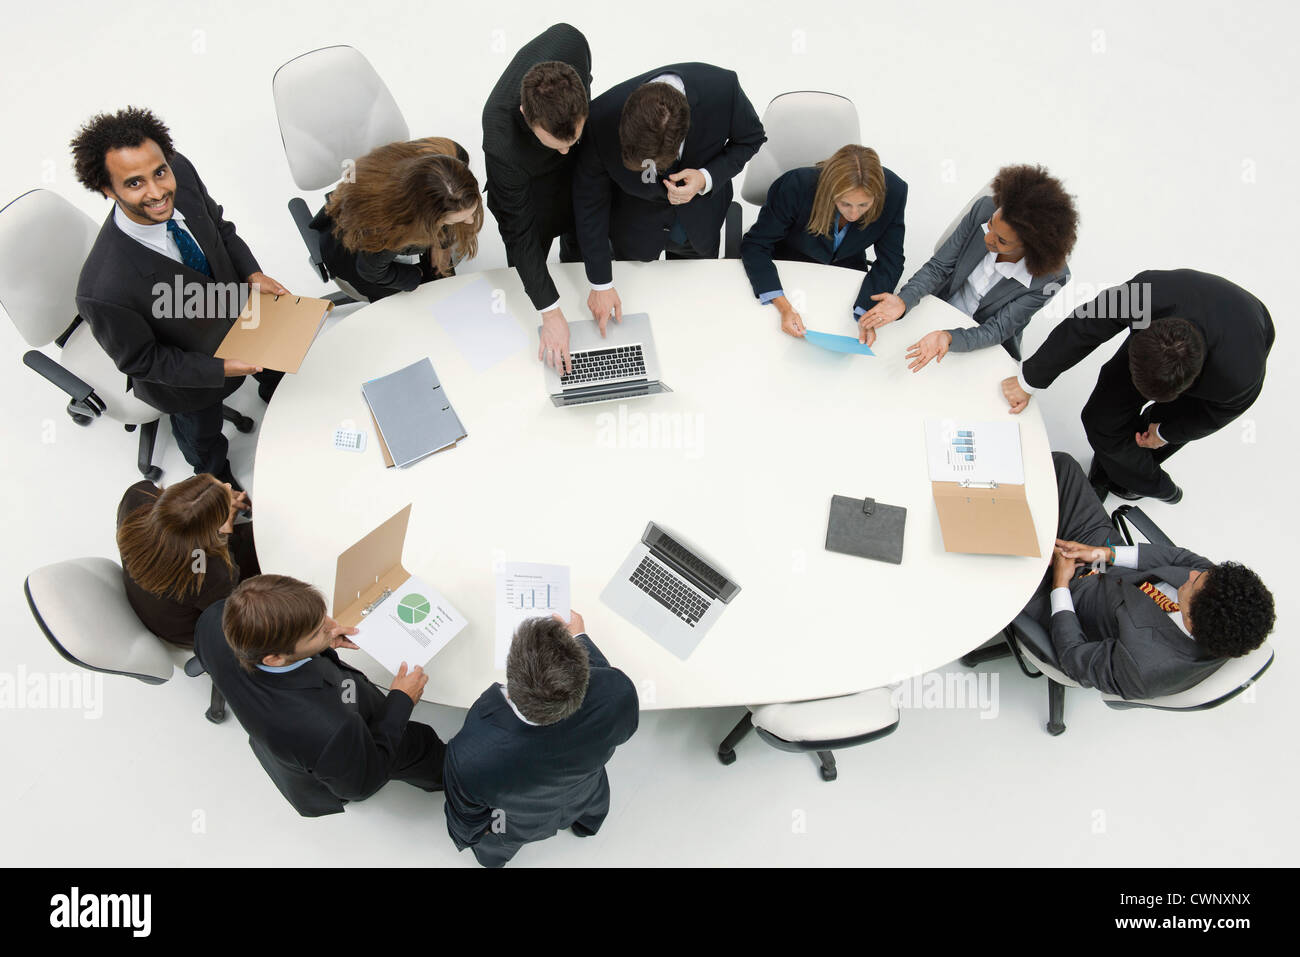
x: 530, y: 758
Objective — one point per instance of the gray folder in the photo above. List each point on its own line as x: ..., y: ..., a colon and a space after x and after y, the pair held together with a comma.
x: 413, y: 413
x: 866, y: 528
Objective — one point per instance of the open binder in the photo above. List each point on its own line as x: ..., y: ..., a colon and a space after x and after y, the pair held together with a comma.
x: 370, y: 570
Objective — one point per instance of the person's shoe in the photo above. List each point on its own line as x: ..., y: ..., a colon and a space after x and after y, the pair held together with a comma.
x: 1173, y: 498
x: 581, y: 831
x: 266, y: 389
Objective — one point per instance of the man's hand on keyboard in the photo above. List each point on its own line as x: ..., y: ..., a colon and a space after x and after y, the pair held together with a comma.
x: 553, y: 347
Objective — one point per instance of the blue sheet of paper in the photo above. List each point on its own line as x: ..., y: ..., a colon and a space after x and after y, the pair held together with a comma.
x: 837, y: 343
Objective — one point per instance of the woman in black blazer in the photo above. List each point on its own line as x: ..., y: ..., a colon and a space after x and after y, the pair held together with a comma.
x: 403, y: 199
x: 829, y: 213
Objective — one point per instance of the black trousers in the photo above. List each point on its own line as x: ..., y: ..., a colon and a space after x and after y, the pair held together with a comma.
x: 1112, y: 418
x: 420, y: 755
x: 198, y: 434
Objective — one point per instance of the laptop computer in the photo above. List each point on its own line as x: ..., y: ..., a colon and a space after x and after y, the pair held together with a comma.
x: 669, y: 590
x: 623, y: 365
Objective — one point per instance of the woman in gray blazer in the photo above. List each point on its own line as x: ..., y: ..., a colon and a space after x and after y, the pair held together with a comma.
x: 1001, y: 264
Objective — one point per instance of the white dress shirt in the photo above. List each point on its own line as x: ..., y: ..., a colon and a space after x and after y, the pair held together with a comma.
x: 155, y: 235
x: 986, y: 272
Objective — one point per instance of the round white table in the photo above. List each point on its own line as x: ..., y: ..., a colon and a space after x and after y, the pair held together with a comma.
x: 742, y: 459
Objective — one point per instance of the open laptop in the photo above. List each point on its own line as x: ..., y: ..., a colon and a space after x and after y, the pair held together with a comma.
x: 669, y: 590
x: 623, y: 365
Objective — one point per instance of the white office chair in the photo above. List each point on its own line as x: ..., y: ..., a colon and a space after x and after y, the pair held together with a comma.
x: 821, y: 726
x: 1024, y: 635
x: 985, y: 190
x: 44, y: 240
x: 332, y: 107
x: 81, y: 607
x: 803, y: 128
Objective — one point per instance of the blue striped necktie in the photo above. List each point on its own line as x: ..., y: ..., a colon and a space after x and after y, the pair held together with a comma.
x: 191, y: 254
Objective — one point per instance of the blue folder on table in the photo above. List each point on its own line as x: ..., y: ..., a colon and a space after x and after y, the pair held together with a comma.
x: 837, y: 343
x: 412, y: 413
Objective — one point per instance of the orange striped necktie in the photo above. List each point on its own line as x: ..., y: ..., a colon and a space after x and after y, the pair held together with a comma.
x: 1159, y: 597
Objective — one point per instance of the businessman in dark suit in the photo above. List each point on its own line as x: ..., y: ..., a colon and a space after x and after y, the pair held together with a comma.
x: 531, y: 756
x: 322, y: 730
x: 1197, y: 351
x: 1139, y: 621
x: 654, y: 170
x: 165, y: 280
x: 532, y: 121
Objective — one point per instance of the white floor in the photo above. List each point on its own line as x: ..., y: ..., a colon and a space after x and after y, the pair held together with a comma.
x: 1173, y: 124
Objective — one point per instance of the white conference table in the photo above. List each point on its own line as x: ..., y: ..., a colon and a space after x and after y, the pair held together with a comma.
x: 768, y: 428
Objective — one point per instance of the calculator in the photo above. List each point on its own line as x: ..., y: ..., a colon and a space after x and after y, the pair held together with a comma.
x: 349, y: 439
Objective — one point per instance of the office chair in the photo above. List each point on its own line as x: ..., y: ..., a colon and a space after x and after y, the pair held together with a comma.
x: 821, y: 726
x: 44, y: 240
x: 803, y: 128
x: 333, y: 108
x: 985, y: 190
x: 1025, y: 634
x: 81, y: 607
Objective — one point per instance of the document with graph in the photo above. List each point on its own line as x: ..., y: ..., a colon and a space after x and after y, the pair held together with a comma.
x: 412, y: 623
x: 527, y: 590
x: 974, y: 452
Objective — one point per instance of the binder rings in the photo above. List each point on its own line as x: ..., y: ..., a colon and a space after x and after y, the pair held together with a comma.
x: 280, y: 333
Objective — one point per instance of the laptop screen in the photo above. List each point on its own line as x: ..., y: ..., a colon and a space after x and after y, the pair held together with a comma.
x: 713, y: 581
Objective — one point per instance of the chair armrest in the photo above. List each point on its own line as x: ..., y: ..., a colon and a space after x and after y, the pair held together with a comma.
x: 302, y: 218
x: 82, y: 395
x: 1126, y: 514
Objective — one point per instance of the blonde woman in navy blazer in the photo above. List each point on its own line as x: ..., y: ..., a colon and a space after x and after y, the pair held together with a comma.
x: 829, y: 213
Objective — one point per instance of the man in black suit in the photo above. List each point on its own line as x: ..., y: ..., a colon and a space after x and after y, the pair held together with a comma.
x: 533, y: 119
x: 1153, y: 620
x: 654, y: 170
x: 1197, y: 352
x: 531, y: 756
x: 322, y: 730
x: 165, y: 280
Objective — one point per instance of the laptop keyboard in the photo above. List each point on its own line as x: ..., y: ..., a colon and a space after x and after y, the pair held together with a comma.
x: 667, y: 589
x: 602, y: 365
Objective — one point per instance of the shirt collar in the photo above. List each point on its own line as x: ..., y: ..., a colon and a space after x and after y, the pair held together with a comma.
x: 505, y: 695
x: 1016, y: 270
x: 153, y: 233
x: 282, y: 669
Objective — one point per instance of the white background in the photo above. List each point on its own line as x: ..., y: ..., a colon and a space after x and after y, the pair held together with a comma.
x: 1173, y: 123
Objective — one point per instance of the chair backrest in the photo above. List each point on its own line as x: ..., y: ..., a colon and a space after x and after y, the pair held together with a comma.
x: 985, y: 190
x: 1230, y: 679
x: 803, y: 128
x: 44, y: 240
x: 332, y: 106
x: 81, y: 607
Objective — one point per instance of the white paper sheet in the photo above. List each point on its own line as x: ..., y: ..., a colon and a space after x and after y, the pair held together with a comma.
x: 527, y: 590
x: 476, y: 318
x: 412, y: 624
x: 982, y: 452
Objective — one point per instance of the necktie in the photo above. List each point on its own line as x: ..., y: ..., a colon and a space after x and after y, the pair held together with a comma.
x: 191, y: 254
x: 1156, y: 595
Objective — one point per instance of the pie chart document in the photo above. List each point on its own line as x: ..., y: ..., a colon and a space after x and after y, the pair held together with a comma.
x: 412, y: 624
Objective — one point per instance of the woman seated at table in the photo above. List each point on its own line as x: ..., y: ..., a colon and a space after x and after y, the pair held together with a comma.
x: 397, y: 222
x: 807, y: 218
x: 1004, y: 260
x: 181, y: 551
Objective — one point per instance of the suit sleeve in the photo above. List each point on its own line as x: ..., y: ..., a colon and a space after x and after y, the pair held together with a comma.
x: 358, y: 760
x: 1104, y: 665
x: 383, y: 269
x: 240, y: 255
x: 468, y: 819
x: 941, y: 265
x: 775, y: 221
x: 593, y: 192
x: 510, y: 197
x: 1162, y: 556
x: 1007, y: 323
x: 884, y: 275
x: 129, y: 341
x: 744, y: 138
x: 1075, y: 337
x: 1186, y: 419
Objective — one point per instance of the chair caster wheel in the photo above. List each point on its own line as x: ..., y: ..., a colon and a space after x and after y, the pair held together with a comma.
x: 82, y: 420
x: 727, y: 757
x: 829, y: 774
x: 244, y: 424
x: 1055, y: 729
x: 216, y: 717
x: 153, y: 474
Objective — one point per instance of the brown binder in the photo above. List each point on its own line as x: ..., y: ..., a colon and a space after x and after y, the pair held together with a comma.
x: 369, y: 567
x: 284, y: 330
x: 985, y: 521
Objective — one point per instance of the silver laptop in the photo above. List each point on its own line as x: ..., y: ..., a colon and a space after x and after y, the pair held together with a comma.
x: 623, y: 365
x: 669, y: 590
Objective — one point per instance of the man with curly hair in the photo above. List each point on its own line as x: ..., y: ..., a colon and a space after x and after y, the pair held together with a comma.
x: 1004, y: 260
x: 165, y: 234
x: 1197, y: 351
x: 1139, y: 621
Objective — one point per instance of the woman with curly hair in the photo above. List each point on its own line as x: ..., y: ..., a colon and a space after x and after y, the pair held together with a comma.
x: 397, y: 221
x: 1003, y: 262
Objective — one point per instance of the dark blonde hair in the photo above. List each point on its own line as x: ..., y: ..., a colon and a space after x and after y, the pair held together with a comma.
x: 269, y: 615
x: 851, y: 167
x: 400, y: 197
x: 157, y: 541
